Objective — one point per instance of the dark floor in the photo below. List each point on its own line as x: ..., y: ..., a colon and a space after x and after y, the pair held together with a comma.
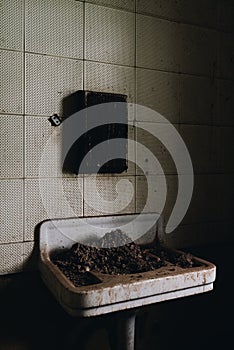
x: 31, y: 319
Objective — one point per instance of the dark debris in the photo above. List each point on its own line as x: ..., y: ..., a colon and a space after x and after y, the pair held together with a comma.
x: 127, y: 258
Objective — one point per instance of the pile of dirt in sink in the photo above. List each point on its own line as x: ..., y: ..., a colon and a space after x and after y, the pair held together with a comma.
x: 127, y: 258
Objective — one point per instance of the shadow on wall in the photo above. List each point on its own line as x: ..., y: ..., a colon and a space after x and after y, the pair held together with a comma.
x: 31, y: 263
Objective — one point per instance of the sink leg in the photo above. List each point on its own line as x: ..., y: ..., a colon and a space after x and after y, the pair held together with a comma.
x: 122, y: 331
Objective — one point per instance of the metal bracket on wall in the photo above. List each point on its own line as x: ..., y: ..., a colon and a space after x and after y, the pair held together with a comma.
x: 55, y: 120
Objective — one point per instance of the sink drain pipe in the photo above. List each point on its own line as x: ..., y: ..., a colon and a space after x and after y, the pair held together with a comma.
x: 120, y: 327
x: 121, y: 330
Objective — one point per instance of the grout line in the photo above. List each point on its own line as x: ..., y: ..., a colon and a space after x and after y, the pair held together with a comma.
x: 11, y: 178
x: 84, y: 48
x: 111, y: 7
x: 209, y: 76
x: 116, y: 176
x: 11, y: 114
x: 211, y: 28
x: 189, y: 24
x: 11, y: 50
x: 24, y: 68
x: 134, y: 117
x: 84, y: 38
x: 228, y: 221
x: 180, y: 100
x: 55, y: 56
x: 24, y: 118
x: 11, y: 243
x: 133, y: 121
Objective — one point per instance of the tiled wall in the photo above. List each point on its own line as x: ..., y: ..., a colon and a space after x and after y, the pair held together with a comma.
x: 173, y: 56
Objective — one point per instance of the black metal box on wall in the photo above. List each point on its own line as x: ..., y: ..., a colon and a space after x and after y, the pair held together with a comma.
x: 91, y: 137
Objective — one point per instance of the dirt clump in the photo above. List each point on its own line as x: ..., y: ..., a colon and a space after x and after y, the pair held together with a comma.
x: 114, y: 254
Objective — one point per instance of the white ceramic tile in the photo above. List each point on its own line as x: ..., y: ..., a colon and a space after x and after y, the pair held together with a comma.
x: 54, y: 27
x: 55, y: 203
x: 44, y: 148
x: 160, y: 199
x: 172, y: 189
x: 109, y: 195
x: 11, y: 82
x: 153, y: 146
x: 198, y: 140
x: 226, y: 148
x: 198, y: 51
x: 38, y: 132
x: 159, y: 91
x: 200, y: 234
x: 198, y: 100
x: 29, y: 248
x: 198, y: 12
x: 11, y: 211
x: 11, y: 26
x: 225, y: 103
x: 220, y: 232
x: 48, y: 81
x: 109, y: 35
x: 226, y: 204
x: 186, y: 236
x: 11, y: 145
x: 226, y: 55
x: 31, y: 256
x: 131, y: 155
x: 110, y: 78
x: 11, y: 258
x: 122, y: 4
x: 206, y: 203
x: 142, y: 194
x: 158, y: 44
x: 160, y: 8
x: 225, y: 15
x: 215, y: 149
x: 34, y: 210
